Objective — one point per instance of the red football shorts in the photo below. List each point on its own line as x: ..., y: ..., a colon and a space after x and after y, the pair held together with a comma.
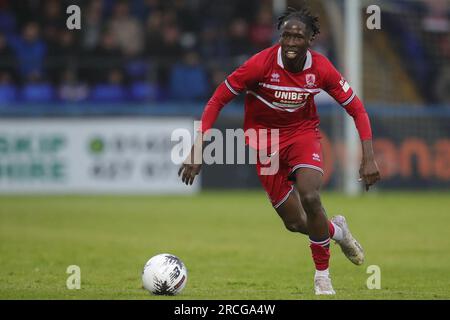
x: 301, y: 151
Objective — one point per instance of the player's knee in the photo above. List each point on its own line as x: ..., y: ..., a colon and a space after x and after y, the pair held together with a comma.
x: 293, y: 226
x: 310, y: 199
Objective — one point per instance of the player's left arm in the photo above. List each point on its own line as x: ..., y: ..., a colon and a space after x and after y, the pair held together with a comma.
x: 368, y: 171
x: 340, y: 90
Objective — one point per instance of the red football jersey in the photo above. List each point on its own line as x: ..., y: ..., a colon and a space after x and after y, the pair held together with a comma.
x: 277, y: 98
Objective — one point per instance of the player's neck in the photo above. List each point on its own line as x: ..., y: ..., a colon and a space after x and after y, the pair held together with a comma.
x: 295, y: 65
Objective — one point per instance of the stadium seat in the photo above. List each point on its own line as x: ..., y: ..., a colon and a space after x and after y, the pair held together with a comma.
x: 137, y: 69
x: 40, y: 92
x: 108, y: 93
x: 142, y: 91
x: 8, y: 93
x: 188, y: 83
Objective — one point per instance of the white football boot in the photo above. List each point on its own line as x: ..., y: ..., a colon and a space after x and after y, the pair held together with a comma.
x: 322, y: 285
x: 349, y: 246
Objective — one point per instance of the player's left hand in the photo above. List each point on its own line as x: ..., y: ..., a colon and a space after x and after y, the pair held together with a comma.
x: 369, y: 172
x: 188, y: 171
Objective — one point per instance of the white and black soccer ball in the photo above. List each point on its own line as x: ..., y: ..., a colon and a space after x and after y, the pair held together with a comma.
x: 164, y: 274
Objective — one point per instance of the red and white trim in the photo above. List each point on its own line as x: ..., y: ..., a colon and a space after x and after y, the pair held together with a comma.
x: 346, y: 102
x: 230, y: 88
x: 284, y: 198
x: 307, y: 166
x: 281, y: 88
x: 323, y: 243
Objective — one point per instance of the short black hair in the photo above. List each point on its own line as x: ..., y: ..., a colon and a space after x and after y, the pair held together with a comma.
x: 304, y: 15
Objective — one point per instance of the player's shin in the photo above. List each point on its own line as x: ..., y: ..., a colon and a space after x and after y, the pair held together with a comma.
x: 320, y: 251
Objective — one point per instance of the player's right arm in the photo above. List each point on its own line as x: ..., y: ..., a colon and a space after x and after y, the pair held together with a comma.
x: 243, y: 77
x: 192, y: 165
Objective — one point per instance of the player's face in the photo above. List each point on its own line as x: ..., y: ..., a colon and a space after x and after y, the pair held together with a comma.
x: 294, y: 40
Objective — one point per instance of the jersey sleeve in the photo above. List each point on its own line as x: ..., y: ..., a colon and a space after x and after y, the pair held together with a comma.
x: 246, y: 76
x: 337, y: 87
x: 219, y: 99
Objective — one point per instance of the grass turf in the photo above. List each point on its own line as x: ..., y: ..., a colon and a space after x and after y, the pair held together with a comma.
x: 233, y: 244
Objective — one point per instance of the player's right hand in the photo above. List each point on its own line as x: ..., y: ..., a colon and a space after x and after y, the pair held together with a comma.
x: 188, y: 171
x: 193, y: 163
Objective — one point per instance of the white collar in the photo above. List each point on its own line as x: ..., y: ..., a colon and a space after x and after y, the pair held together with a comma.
x: 308, y: 62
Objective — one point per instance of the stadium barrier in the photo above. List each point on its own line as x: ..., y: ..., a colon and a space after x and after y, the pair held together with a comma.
x: 102, y: 155
x: 412, y: 147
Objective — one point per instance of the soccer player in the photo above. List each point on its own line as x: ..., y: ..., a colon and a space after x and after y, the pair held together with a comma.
x: 280, y: 83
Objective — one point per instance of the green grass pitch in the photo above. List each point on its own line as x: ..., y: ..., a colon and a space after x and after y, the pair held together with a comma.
x: 233, y: 244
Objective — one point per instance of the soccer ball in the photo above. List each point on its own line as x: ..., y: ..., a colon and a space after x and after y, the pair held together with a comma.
x: 164, y: 274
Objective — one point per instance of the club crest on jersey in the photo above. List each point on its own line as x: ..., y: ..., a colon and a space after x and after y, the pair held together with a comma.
x: 310, y: 80
x: 275, y: 77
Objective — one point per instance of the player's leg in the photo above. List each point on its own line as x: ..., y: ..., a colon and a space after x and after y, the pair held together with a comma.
x: 283, y: 195
x: 308, y: 183
x: 292, y: 213
x: 295, y: 220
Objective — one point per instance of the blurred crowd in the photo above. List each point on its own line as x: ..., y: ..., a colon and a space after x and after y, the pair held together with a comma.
x: 158, y: 50
x: 420, y: 31
x: 140, y: 49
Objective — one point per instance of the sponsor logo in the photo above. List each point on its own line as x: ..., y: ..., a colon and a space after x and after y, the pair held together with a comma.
x: 316, y: 157
x: 275, y: 77
x: 291, y: 99
x: 291, y: 95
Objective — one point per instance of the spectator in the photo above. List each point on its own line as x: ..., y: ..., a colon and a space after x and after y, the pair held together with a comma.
x: 188, y: 80
x: 170, y: 47
x: 154, y: 39
x: 436, y: 19
x: 126, y: 29
x: 51, y: 22
x: 261, y: 31
x: 92, y: 25
x: 167, y: 52
x: 211, y: 46
x: 323, y: 44
x: 71, y: 89
x: 239, y: 42
x: 217, y: 77
x: 30, y: 50
x: 7, y: 21
x: 104, y: 58
x: 64, y: 53
x: 185, y: 16
x: 8, y: 63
